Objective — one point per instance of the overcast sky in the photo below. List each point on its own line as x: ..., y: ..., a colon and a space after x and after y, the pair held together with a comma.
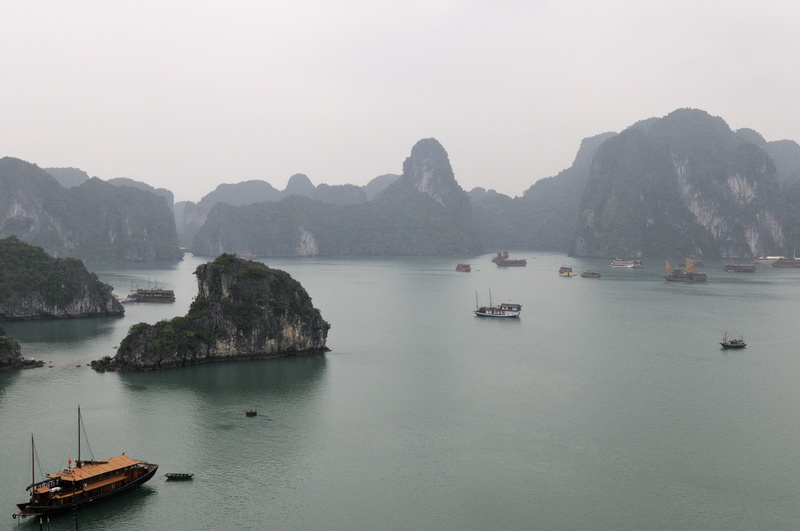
x: 186, y: 95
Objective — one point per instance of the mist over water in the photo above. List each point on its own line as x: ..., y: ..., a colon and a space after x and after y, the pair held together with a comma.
x: 608, y: 405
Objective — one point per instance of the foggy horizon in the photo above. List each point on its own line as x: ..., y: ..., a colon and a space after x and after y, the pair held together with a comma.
x: 185, y: 96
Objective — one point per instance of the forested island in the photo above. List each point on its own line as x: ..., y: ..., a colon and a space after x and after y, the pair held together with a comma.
x: 243, y: 310
x: 34, y: 285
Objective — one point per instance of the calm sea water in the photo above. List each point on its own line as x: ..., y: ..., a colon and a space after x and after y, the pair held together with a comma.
x: 607, y: 405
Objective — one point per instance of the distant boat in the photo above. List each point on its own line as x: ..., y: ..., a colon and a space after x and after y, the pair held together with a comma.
x: 740, y: 268
x: 565, y: 271
x: 787, y: 263
x: 506, y: 309
x: 690, y: 275
x: 630, y: 264
x: 84, y: 483
x: 590, y: 274
x: 732, y: 343
x: 502, y: 259
x: 151, y: 294
x: 766, y: 260
x: 463, y: 268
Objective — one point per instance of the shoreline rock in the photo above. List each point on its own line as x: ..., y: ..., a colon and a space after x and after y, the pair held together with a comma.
x: 11, y: 355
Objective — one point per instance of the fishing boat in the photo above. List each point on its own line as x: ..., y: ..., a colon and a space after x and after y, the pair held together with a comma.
x: 463, y: 268
x: 565, y: 271
x: 740, y: 268
x: 630, y: 264
x: 83, y: 482
x: 506, y: 309
x: 590, y: 274
x: 677, y: 275
x: 502, y: 259
x: 732, y: 343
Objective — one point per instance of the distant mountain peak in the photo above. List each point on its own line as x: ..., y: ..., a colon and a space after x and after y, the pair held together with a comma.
x: 428, y: 170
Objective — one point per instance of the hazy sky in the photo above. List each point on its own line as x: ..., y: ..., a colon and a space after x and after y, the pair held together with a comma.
x: 189, y: 94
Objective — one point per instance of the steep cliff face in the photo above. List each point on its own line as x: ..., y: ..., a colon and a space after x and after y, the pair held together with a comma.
x: 34, y: 285
x: 94, y: 221
x: 680, y: 185
x: 428, y: 169
x: 243, y: 310
x: 11, y: 355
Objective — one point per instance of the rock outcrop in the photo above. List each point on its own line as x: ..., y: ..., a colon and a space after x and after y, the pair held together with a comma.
x: 11, y: 355
x: 34, y: 285
x: 243, y: 310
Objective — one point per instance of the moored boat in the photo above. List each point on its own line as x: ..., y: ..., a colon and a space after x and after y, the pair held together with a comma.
x: 590, y: 274
x: 565, y: 271
x: 84, y: 483
x: 463, y: 268
x: 502, y: 259
x: 630, y: 264
x: 505, y: 310
x: 740, y: 268
x: 677, y: 275
x: 787, y: 263
x: 732, y: 343
x: 152, y: 295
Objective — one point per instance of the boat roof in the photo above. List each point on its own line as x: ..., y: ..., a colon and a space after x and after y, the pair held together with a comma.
x: 90, y: 470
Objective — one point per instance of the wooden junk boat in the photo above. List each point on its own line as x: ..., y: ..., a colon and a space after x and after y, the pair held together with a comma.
x: 84, y: 483
x: 565, y: 271
x: 690, y: 275
x: 463, y: 268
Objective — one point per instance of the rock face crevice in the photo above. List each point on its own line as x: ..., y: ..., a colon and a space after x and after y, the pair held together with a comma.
x: 683, y: 185
x: 243, y: 310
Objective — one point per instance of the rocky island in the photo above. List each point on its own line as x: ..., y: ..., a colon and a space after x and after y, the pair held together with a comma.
x: 11, y: 355
x: 34, y: 285
x: 243, y: 310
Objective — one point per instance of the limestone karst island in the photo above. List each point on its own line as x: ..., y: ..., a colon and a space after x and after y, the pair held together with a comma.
x: 243, y: 310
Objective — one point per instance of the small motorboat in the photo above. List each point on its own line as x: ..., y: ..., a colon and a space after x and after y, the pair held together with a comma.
x: 178, y: 476
x: 251, y: 413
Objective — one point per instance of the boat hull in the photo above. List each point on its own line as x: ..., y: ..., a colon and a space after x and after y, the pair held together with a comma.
x: 735, y: 345
x: 497, y: 315
x: 25, y: 509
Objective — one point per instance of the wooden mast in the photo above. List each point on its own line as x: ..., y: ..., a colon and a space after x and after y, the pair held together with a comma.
x: 33, y: 465
x: 79, y: 437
